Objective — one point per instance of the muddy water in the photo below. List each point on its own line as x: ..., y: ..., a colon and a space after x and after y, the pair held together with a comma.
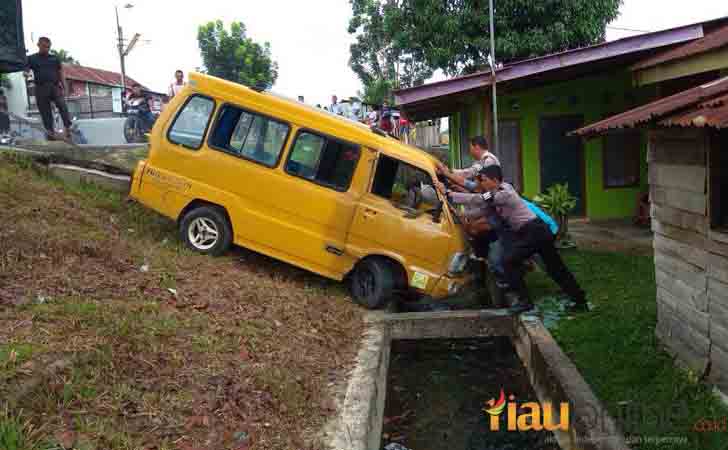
x: 437, y: 389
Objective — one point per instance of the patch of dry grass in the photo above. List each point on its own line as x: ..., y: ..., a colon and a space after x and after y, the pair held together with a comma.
x: 194, y: 352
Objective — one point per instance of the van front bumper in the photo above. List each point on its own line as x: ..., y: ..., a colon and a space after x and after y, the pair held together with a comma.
x: 450, y: 285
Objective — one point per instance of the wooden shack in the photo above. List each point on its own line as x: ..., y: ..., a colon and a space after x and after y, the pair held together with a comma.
x: 688, y: 177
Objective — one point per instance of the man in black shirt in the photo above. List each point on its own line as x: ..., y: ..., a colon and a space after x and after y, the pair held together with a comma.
x: 49, y: 86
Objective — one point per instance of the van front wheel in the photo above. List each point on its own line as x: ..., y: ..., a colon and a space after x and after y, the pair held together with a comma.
x: 372, y: 283
x: 206, y: 230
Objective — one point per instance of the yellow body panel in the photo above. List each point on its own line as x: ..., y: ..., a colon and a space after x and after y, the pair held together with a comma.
x: 290, y: 218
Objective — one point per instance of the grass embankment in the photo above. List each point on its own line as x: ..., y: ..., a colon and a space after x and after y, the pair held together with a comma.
x: 113, y: 336
x: 616, y: 351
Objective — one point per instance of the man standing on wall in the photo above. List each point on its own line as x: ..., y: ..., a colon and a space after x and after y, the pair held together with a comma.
x: 49, y: 86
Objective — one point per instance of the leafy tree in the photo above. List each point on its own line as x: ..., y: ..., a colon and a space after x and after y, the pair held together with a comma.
x: 453, y: 35
x: 65, y: 57
x: 377, y: 56
x: 376, y: 92
x: 234, y: 56
x: 4, y: 81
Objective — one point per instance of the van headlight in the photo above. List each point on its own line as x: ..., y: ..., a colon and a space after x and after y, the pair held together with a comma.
x: 457, y: 263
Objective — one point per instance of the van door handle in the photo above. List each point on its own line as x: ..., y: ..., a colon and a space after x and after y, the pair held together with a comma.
x: 369, y: 213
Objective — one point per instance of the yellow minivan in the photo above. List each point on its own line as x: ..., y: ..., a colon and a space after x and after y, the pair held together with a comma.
x: 234, y: 165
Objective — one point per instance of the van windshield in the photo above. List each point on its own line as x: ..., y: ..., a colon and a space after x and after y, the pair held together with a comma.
x: 404, y: 185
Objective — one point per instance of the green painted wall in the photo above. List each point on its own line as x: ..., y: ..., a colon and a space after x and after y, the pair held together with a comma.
x: 594, y: 98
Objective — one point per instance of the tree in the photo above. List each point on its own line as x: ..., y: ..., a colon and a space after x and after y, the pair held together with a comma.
x: 4, y: 81
x: 377, y: 56
x: 454, y: 35
x: 65, y: 57
x: 376, y: 92
x: 235, y: 57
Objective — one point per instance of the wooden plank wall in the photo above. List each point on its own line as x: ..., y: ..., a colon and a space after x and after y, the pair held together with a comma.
x: 691, y: 261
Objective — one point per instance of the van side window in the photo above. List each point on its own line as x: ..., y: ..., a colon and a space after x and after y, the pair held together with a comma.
x: 250, y: 136
x: 188, y: 129
x: 323, y: 160
x: 403, y: 184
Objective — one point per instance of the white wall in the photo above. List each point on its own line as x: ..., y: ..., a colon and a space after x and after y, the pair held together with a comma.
x: 17, y: 94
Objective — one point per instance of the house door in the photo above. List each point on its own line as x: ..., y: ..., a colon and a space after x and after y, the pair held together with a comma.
x: 509, y: 151
x: 562, y: 157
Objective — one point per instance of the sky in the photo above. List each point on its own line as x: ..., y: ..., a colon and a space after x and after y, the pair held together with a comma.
x: 309, y: 38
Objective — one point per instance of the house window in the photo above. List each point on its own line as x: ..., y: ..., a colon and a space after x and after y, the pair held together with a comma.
x: 398, y: 182
x: 249, y: 136
x: 323, y: 160
x: 190, y: 125
x: 622, y: 159
x: 718, y: 175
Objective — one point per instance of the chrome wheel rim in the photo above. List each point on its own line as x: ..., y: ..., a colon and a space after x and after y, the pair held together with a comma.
x: 203, y: 233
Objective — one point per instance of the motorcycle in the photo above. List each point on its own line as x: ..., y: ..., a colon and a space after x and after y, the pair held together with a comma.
x: 136, y: 125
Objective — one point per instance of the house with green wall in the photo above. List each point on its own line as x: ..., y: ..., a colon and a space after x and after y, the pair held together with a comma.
x: 542, y: 100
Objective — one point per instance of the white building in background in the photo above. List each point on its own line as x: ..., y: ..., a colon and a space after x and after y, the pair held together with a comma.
x: 17, y: 94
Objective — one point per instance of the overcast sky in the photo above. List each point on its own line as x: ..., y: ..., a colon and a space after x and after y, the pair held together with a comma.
x: 308, y: 37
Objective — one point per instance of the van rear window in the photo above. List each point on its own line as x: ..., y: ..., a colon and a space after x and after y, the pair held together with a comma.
x: 191, y: 122
x: 323, y: 160
x: 249, y: 136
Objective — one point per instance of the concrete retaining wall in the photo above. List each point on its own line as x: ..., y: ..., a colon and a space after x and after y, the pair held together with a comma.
x: 554, y: 377
x: 73, y: 174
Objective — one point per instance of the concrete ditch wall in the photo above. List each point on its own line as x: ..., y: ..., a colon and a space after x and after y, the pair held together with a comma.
x: 554, y: 377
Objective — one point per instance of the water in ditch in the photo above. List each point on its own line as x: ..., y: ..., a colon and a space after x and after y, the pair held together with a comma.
x: 437, y: 390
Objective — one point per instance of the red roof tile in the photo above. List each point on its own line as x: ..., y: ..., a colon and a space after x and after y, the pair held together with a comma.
x: 98, y: 76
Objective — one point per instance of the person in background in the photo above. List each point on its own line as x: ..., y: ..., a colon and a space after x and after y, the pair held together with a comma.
x: 300, y: 99
x: 335, y: 107
x: 177, y: 85
x: 4, y: 117
x: 145, y: 105
x: 404, y: 128
x: 372, y: 118
x: 385, y: 124
x: 49, y: 86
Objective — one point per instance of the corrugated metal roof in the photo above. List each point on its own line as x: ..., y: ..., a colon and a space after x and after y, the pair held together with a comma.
x: 553, y: 63
x: 705, y: 105
x: 713, y: 39
x: 98, y: 76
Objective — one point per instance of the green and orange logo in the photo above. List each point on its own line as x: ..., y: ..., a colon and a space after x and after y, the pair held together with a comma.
x: 536, y: 417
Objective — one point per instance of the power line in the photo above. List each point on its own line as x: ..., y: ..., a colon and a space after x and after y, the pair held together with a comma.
x: 629, y: 29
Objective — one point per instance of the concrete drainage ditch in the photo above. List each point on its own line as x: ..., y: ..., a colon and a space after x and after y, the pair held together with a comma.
x: 553, y: 377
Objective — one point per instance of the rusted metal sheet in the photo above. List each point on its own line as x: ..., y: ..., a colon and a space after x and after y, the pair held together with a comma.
x: 705, y: 105
x: 97, y: 76
x: 714, y: 39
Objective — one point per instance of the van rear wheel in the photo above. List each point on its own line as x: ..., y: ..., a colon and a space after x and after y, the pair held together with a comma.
x: 372, y: 283
x: 206, y: 230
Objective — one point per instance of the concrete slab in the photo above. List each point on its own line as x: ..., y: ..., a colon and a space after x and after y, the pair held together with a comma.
x: 554, y: 377
x: 74, y: 174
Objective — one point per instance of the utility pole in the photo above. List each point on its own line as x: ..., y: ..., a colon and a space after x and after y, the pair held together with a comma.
x: 120, y: 33
x: 491, y: 61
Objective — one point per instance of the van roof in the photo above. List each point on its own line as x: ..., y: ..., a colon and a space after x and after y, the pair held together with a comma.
x: 307, y: 116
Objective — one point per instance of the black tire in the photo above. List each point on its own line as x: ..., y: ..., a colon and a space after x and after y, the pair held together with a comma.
x: 209, y: 217
x: 373, y: 283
